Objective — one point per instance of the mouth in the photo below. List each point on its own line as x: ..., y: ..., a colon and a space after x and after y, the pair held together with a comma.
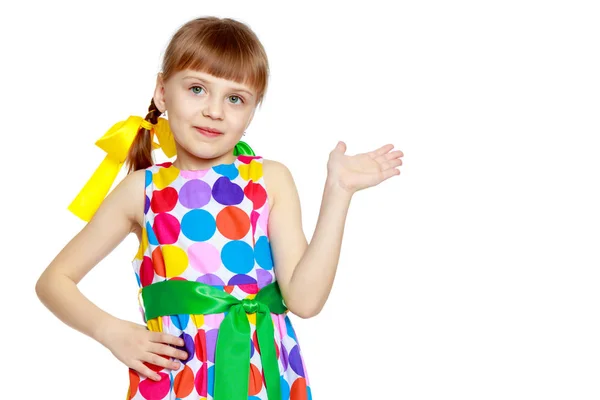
x: 210, y: 132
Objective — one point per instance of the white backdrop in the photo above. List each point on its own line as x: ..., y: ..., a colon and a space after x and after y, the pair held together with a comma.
x: 472, y: 275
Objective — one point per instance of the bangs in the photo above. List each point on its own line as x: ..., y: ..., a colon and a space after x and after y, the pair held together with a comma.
x: 227, y: 52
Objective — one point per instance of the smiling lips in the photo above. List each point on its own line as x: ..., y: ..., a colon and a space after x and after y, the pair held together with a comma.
x: 210, y: 132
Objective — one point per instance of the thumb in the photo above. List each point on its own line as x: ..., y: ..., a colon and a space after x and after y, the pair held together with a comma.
x: 340, y: 147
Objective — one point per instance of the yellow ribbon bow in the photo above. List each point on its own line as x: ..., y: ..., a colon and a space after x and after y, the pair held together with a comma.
x: 116, y: 142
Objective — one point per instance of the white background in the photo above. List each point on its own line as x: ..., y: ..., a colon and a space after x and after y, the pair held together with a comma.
x: 472, y: 275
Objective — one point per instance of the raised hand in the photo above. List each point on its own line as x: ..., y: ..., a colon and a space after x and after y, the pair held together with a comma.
x: 354, y: 173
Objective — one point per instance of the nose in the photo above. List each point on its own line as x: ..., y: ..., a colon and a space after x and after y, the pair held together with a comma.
x: 213, y: 108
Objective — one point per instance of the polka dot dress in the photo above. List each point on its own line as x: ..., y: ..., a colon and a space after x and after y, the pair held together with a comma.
x: 210, y: 226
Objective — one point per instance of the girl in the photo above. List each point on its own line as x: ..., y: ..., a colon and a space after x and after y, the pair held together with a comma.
x: 222, y: 255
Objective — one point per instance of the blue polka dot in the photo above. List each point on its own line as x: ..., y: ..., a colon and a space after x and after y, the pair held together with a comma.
x: 148, y: 178
x: 262, y: 252
x: 228, y: 170
x: 198, y: 225
x: 238, y: 257
x: 151, y: 236
x: 253, y: 398
x: 308, y: 393
x: 290, y: 328
x: 285, y: 389
x: 251, y: 348
x: 180, y: 320
x: 137, y: 278
x: 147, y: 205
x: 210, y: 376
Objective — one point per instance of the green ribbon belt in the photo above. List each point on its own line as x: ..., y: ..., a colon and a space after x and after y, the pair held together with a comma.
x: 232, y: 356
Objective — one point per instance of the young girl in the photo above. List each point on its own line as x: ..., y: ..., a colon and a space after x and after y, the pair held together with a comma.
x: 222, y: 255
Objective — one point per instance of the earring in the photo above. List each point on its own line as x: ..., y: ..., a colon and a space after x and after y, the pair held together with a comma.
x: 165, y: 113
x: 244, y: 134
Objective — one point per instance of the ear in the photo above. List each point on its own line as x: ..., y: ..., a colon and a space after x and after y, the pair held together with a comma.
x: 159, y: 93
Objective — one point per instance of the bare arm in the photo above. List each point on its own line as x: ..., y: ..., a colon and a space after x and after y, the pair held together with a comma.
x: 57, y: 286
x: 305, y: 272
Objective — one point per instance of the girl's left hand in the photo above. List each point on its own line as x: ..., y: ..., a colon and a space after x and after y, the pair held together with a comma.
x: 354, y: 173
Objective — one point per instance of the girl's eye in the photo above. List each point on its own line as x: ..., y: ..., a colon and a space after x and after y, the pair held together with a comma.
x: 235, y: 98
x: 196, y: 89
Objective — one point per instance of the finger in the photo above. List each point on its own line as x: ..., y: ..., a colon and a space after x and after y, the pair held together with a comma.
x: 160, y: 361
x: 158, y: 348
x: 161, y: 337
x: 143, y: 369
x: 390, y: 164
x: 394, y: 154
x: 381, y: 151
x: 340, y: 147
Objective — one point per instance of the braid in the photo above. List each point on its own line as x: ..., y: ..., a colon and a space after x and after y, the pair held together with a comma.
x: 153, y: 113
x: 140, y: 153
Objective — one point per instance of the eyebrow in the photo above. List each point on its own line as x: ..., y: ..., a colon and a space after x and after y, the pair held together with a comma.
x: 205, y: 81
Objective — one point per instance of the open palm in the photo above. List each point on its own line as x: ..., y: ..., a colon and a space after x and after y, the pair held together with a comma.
x: 354, y: 173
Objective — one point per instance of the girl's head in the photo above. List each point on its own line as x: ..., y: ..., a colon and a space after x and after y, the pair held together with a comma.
x: 214, y: 75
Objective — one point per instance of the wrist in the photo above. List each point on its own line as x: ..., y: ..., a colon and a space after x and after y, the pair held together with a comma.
x: 103, y: 329
x: 333, y: 188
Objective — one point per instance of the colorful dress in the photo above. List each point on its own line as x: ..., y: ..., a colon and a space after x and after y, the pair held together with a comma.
x: 210, y: 226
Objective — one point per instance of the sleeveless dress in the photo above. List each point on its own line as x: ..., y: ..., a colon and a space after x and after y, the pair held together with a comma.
x: 210, y: 226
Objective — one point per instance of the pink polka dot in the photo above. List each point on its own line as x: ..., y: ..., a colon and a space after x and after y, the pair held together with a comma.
x: 152, y: 390
x: 167, y: 228
x: 213, y: 320
x: 194, y: 174
x: 204, y: 257
x: 263, y: 219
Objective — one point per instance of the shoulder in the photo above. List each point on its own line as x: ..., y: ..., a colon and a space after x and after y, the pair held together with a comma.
x: 278, y: 178
x: 130, y: 192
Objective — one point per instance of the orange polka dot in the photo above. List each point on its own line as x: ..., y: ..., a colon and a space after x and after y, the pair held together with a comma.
x: 233, y: 223
x: 159, y: 262
x: 134, y: 381
x: 298, y: 391
x: 255, y: 381
x: 184, y: 382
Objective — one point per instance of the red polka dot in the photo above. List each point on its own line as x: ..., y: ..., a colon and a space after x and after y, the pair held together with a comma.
x: 184, y: 382
x: 256, y: 381
x: 164, y: 200
x: 155, y: 367
x: 200, y: 342
x: 247, y: 159
x: 256, y: 192
x: 255, y: 341
x: 233, y: 223
x: 146, y: 271
x: 200, y: 380
x: 298, y: 391
x: 134, y: 381
x: 167, y: 228
x: 159, y: 262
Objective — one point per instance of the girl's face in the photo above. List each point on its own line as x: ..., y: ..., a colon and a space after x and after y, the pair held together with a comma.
x: 196, y: 100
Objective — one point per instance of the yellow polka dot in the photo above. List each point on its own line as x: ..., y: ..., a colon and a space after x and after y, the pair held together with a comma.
x: 252, y: 171
x: 155, y: 324
x: 198, y: 320
x: 176, y: 260
x: 143, y: 246
x: 164, y: 177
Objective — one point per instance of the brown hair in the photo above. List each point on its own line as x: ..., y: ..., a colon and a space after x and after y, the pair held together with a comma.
x: 222, y: 47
